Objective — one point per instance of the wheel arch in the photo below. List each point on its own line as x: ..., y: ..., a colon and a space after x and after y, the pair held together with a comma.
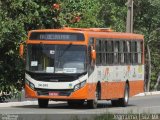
x: 127, y: 82
x: 99, y: 84
x: 99, y: 89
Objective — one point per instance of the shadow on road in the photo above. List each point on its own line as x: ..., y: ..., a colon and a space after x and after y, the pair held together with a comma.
x: 65, y: 106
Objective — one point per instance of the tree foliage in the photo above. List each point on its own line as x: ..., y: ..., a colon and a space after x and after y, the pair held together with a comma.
x: 80, y: 13
x: 114, y: 13
x: 17, y: 18
x: 147, y: 22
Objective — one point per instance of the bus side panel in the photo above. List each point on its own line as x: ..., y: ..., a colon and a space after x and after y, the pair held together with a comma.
x: 112, y: 90
x: 91, y: 91
x: 136, y: 87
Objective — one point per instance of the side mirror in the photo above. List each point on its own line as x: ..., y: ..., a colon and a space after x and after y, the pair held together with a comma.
x: 93, y: 54
x: 21, y: 50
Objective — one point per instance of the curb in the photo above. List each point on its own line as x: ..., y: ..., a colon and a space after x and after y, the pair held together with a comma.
x: 10, y: 104
x: 23, y: 103
x: 148, y: 93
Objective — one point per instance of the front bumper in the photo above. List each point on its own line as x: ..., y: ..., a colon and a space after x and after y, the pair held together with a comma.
x: 67, y: 94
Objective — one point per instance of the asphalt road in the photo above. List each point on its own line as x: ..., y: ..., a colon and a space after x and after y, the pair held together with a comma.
x: 137, y: 105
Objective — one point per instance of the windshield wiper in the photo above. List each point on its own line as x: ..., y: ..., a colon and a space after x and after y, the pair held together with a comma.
x: 61, y: 55
x: 67, y: 47
x: 80, y: 74
x: 77, y: 75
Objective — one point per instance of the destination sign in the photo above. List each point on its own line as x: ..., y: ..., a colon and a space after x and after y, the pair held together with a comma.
x: 56, y: 36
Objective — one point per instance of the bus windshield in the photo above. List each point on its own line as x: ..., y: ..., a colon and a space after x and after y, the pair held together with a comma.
x: 68, y: 59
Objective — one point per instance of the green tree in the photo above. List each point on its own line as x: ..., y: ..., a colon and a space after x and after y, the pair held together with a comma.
x: 147, y: 22
x: 17, y: 18
x: 80, y: 13
x: 114, y: 12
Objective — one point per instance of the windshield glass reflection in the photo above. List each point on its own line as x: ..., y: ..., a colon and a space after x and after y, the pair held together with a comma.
x: 56, y: 58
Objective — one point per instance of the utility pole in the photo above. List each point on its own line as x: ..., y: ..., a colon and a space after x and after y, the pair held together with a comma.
x: 129, y: 25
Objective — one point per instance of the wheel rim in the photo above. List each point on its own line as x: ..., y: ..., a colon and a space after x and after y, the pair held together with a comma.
x: 93, y: 103
x: 126, y: 95
x: 96, y: 98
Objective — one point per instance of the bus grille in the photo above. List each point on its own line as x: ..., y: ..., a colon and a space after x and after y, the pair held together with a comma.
x: 60, y: 92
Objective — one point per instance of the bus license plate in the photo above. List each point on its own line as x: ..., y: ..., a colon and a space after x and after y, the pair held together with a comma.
x: 53, y: 93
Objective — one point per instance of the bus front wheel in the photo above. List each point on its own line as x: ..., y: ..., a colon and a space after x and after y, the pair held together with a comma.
x: 43, y: 103
x: 93, y: 103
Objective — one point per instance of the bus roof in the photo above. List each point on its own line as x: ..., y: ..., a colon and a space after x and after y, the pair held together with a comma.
x: 75, y: 29
x: 95, y: 32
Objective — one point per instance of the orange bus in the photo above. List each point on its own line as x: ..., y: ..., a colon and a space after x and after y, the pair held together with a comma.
x: 84, y: 64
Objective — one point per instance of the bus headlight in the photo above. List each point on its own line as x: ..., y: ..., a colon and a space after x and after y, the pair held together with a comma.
x: 79, y: 85
x: 27, y: 81
x: 31, y: 85
x: 83, y: 83
x: 76, y: 87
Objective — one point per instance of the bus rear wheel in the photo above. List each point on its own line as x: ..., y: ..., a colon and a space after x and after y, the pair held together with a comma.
x: 115, y: 103
x: 122, y: 102
x: 43, y: 103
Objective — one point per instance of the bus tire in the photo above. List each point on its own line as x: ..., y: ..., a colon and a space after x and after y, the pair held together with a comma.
x: 99, y: 90
x: 75, y: 103
x: 124, y: 101
x: 43, y: 103
x: 115, y: 103
x: 93, y: 103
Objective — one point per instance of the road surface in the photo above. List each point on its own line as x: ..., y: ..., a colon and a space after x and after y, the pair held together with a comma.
x: 137, y: 105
